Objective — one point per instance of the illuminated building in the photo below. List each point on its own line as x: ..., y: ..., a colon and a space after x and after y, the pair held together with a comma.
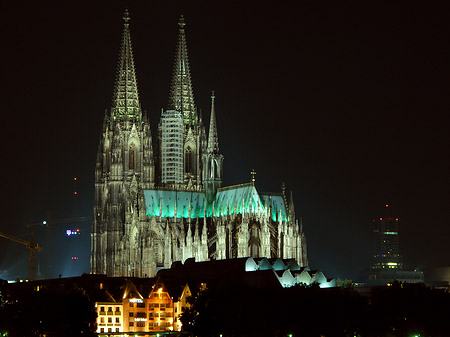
x: 387, y: 252
x: 150, y: 309
x: 387, y: 263
x: 109, y: 316
x: 153, y: 208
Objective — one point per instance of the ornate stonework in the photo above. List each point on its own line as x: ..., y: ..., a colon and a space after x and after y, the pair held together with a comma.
x: 145, y: 220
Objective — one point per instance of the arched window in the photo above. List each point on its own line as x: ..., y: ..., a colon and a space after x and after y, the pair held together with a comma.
x: 132, y: 157
x: 188, y: 160
x: 254, y: 241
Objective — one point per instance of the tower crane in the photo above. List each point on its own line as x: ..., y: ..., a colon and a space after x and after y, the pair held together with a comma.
x: 49, y: 224
x: 33, y: 247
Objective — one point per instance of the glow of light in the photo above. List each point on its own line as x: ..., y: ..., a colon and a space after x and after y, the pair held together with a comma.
x: 78, y: 230
x: 391, y: 263
x: 387, y: 205
x: 135, y: 300
x: 159, y: 290
x: 396, y: 219
x: 75, y: 193
x: 75, y: 178
x: 381, y: 219
x: 44, y: 222
x: 68, y: 232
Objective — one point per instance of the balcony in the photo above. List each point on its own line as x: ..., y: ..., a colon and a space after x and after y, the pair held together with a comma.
x: 117, y: 313
x: 102, y: 313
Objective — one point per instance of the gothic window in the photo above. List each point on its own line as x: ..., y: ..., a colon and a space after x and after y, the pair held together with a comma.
x: 188, y: 160
x: 254, y: 241
x: 132, y: 157
x: 212, y: 169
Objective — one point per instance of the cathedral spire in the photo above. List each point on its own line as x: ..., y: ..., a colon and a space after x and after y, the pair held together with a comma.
x: 213, y: 139
x: 181, y: 94
x: 125, y: 103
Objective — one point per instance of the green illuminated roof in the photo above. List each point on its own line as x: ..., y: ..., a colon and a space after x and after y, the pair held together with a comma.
x: 276, y: 202
x: 229, y: 200
x: 238, y: 196
x: 164, y: 201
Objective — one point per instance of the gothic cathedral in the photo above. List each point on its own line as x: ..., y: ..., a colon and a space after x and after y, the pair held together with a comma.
x: 154, y: 207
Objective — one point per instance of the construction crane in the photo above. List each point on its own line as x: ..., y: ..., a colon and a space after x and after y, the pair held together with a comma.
x: 33, y: 247
x: 49, y: 224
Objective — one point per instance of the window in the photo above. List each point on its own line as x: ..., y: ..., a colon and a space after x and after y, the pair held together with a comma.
x: 131, y: 324
x: 117, y: 320
x: 109, y: 330
x: 102, y: 330
x: 140, y: 305
x: 132, y: 155
x: 109, y: 319
x: 141, y: 314
x: 131, y: 314
x: 117, y: 309
x: 131, y: 304
x: 102, y: 308
x: 140, y: 324
x: 102, y: 319
x: 117, y: 329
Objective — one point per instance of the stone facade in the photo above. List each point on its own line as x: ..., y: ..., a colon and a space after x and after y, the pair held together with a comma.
x: 144, y: 221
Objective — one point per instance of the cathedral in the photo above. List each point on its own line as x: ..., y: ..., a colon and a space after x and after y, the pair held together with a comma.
x: 163, y: 201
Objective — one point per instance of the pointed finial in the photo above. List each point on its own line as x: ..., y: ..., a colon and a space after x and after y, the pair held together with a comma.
x: 212, y: 96
x: 126, y: 16
x: 181, y: 22
x: 253, y: 173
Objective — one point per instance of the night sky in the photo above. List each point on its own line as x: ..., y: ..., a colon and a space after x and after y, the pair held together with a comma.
x: 346, y: 103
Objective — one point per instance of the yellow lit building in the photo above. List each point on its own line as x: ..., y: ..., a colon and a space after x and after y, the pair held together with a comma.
x: 136, y: 313
x: 109, y: 317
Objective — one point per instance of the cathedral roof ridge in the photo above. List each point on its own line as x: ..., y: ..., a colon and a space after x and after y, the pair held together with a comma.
x: 226, y: 188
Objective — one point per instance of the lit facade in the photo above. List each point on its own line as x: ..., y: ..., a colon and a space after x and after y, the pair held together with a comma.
x: 387, y: 250
x: 156, y: 207
x: 109, y: 317
x: 137, y: 313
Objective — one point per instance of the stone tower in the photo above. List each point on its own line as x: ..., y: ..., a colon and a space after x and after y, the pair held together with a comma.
x: 181, y: 100
x: 212, y: 159
x: 124, y: 165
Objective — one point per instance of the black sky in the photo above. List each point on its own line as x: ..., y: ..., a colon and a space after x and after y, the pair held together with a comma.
x: 346, y: 102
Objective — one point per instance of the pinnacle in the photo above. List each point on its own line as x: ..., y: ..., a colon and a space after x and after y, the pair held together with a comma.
x: 126, y: 98
x: 181, y: 96
x: 181, y: 22
x: 126, y: 16
x: 213, y: 140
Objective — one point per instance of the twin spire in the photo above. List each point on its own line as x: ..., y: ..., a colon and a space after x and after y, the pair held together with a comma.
x: 126, y: 105
x: 181, y: 93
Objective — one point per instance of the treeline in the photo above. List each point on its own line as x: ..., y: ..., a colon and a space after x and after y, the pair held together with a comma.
x: 63, y: 310
x: 400, y: 310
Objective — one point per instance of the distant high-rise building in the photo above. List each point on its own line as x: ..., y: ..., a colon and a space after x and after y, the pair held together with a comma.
x: 387, y: 263
x: 387, y: 250
x: 156, y: 207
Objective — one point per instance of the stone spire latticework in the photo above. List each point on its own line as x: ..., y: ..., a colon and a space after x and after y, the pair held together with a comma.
x: 181, y: 93
x: 213, y: 139
x: 125, y: 103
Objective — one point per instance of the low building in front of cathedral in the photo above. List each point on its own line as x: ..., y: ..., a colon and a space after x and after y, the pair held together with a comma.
x: 157, y: 206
